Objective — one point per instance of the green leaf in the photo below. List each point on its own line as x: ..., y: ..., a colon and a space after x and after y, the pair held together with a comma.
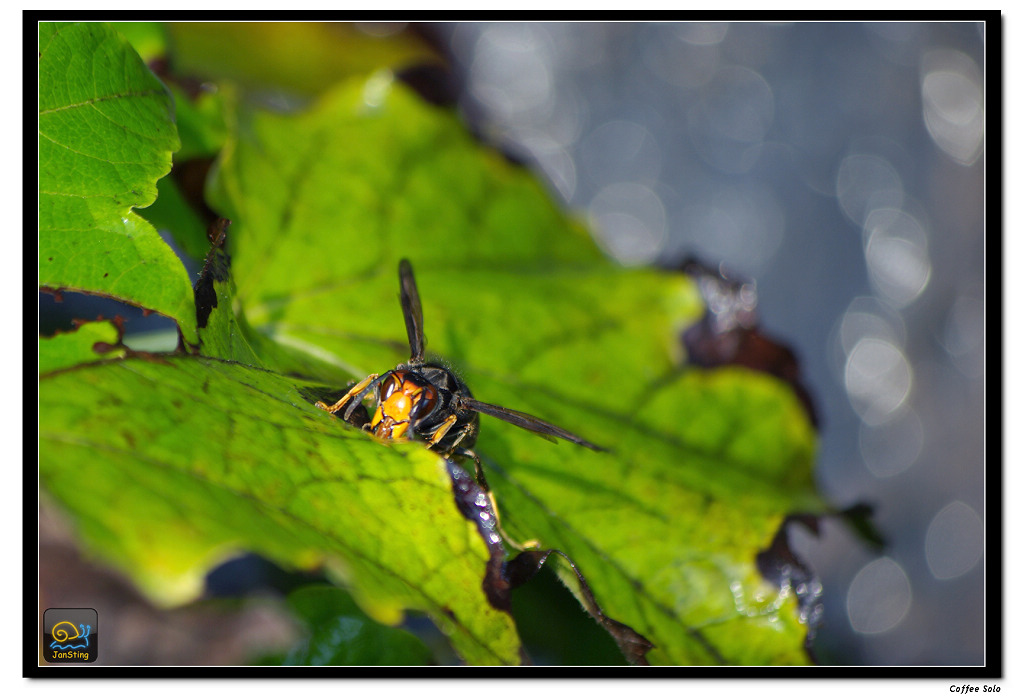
x: 341, y: 634
x: 106, y: 133
x: 704, y: 465
x: 90, y: 342
x: 171, y: 465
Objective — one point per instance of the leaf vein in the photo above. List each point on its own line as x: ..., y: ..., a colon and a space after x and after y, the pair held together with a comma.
x: 92, y: 101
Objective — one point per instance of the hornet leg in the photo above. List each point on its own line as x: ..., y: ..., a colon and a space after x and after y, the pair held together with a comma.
x: 355, y: 390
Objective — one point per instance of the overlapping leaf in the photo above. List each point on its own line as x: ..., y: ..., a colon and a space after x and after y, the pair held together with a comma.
x: 340, y: 634
x: 169, y: 465
x: 106, y: 134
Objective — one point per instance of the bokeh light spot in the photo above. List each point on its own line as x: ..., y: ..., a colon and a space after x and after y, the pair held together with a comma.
x: 879, y: 597
x: 954, y: 541
x: 951, y: 96
x: 896, y: 252
x: 878, y: 380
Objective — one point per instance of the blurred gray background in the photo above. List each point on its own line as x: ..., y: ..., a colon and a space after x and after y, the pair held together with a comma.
x: 841, y: 166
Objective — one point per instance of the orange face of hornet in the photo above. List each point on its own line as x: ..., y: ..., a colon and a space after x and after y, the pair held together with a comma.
x: 403, y: 398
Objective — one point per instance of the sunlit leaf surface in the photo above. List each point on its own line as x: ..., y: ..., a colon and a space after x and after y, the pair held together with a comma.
x: 106, y: 134
x: 171, y: 465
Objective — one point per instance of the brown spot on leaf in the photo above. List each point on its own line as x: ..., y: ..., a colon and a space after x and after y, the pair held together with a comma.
x: 103, y: 347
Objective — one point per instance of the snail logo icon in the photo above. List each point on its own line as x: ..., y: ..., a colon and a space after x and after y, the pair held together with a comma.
x: 70, y: 635
x: 64, y: 632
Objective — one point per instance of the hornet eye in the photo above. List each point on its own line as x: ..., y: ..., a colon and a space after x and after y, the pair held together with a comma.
x: 424, y: 404
x: 388, y: 386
